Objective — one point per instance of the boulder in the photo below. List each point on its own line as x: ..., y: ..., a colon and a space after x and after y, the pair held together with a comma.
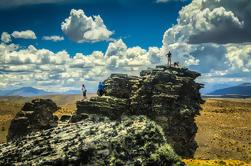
x: 170, y: 96
x: 34, y: 116
x: 134, y: 140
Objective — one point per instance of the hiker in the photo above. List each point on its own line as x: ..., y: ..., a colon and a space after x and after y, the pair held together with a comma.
x: 169, y: 55
x: 100, y: 89
x: 84, y: 91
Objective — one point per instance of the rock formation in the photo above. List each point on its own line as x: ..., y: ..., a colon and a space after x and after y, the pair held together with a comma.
x: 34, y: 116
x: 134, y: 140
x: 167, y: 95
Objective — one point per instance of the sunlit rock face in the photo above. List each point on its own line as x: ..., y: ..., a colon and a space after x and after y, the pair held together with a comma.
x: 167, y: 95
x: 134, y: 140
x: 34, y: 116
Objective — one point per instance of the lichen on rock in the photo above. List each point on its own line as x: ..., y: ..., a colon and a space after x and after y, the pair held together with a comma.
x: 97, y: 140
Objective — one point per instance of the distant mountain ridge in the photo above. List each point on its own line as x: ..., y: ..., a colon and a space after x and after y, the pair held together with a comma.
x: 25, y: 91
x: 242, y: 89
x: 72, y: 92
x: 31, y: 92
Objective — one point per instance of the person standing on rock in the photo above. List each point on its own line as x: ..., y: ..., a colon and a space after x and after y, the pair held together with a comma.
x: 100, y: 89
x: 169, y: 55
x: 84, y: 91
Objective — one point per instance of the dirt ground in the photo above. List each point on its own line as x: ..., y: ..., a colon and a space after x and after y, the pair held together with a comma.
x: 7, y: 113
x: 224, y: 130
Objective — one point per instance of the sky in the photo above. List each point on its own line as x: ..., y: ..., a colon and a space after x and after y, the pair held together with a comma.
x: 58, y: 45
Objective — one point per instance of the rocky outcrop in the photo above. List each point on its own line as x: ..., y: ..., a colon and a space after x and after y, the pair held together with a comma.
x: 109, y: 106
x: 96, y: 141
x: 34, y: 116
x: 167, y: 95
x: 119, y: 85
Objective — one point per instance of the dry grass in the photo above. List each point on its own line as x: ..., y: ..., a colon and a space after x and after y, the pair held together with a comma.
x: 7, y: 113
x: 224, y: 130
x: 196, y: 162
x: 67, y: 109
x: 58, y: 99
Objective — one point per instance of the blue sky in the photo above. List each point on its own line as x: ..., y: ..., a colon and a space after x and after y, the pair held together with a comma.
x: 140, y: 24
x: 57, y: 45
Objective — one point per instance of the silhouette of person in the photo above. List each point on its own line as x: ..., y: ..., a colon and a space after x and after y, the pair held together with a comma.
x: 84, y: 90
x: 169, y: 55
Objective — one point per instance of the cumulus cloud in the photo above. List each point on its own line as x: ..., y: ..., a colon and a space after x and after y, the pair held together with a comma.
x: 5, y: 37
x: 119, y: 57
x: 28, y: 34
x: 205, y: 21
x: 240, y: 57
x: 81, y: 28
x: 45, y: 69
x: 53, y: 38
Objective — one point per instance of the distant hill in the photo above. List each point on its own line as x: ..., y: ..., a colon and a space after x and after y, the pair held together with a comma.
x: 31, y: 92
x: 72, y: 92
x: 58, y: 99
x: 25, y: 91
x: 243, y: 89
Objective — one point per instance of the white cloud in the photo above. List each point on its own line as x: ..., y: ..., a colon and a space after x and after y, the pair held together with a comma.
x: 197, y: 24
x: 120, y: 58
x: 239, y: 56
x: 53, y: 38
x: 28, y: 34
x: 203, y: 21
x: 5, y: 37
x: 45, y: 69
x: 81, y: 28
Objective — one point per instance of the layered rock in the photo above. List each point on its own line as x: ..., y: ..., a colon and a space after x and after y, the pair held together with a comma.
x: 109, y: 106
x: 96, y: 141
x: 171, y: 98
x: 167, y: 95
x: 34, y: 116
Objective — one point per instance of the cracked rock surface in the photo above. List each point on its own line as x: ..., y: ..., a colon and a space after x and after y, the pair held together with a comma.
x: 97, y: 140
